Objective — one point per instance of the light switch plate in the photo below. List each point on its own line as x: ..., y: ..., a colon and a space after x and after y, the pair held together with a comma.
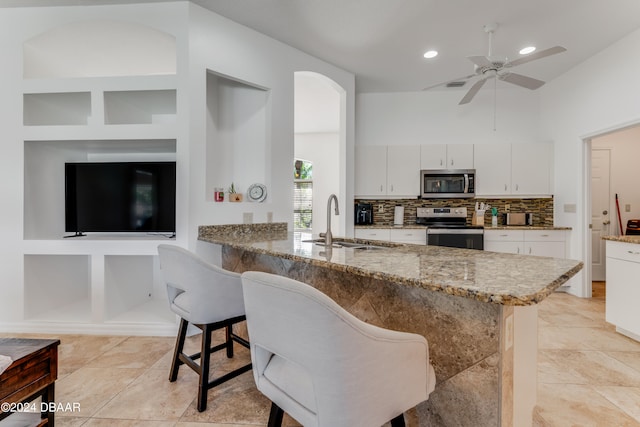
x: 570, y: 208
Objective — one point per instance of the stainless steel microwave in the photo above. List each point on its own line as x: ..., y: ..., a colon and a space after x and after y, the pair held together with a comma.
x: 447, y: 183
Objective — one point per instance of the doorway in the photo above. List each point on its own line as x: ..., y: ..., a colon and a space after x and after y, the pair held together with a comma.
x: 320, y: 140
x: 612, y: 173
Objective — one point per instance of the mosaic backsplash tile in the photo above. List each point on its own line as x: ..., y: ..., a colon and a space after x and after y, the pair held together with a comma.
x: 542, y: 208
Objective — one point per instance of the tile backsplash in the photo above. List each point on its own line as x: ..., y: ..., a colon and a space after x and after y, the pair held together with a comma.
x: 542, y: 209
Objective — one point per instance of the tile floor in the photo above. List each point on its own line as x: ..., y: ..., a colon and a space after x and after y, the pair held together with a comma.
x: 588, y: 376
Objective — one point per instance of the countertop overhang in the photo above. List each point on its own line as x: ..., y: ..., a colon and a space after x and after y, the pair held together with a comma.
x: 492, y: 277
x: 625, y: 239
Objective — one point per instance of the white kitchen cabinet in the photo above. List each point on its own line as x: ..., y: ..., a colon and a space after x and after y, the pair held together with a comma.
x: 623, y: 289
x: 446, y: 156
x: 550, y: 243
x: 493, y: 169
x: 522, y: 170
x: 405, y: 235
x: 387, y: 171
x: 531, y: 169
x: 372, y: 234
x: 417, y: 236
x: 371, y: 171
x: 403, y: 170
x: 504, y: 241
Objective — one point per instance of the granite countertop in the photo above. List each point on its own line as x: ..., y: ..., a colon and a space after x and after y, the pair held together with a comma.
x: 486, y: 227
x: 498, y: 278
x: 624, y: 239
x: 525, y: 227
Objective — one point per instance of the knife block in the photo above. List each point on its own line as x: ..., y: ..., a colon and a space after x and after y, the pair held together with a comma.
x: 477, y: 218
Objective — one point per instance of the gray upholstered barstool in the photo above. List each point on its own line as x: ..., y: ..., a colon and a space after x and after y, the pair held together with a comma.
x: 207, y: 297
x: 323, y: 366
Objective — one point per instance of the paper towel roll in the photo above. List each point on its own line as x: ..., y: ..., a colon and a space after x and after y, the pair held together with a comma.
x: 398, y: 215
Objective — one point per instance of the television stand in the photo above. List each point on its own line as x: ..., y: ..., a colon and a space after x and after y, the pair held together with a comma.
x: 78, y: 234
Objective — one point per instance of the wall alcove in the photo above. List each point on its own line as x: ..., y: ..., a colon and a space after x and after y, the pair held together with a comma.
x: 94, y: 90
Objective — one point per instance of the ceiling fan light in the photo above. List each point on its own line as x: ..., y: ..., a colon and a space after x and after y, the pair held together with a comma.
x: 526, y: 50
x: 430, y: 54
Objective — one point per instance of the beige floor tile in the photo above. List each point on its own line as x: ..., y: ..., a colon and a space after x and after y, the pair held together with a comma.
x: 76, y: 351
x: 586, y: 367
x: 575, y: 405
x: 110, y: 422
x: 580, y: 338
x: 92, y: 388
x: 152, y: 397
x: 236, y: 401
x: 134, y: 352
x: 629, y: 358
x: 625, y: 398
x: 70, y: 421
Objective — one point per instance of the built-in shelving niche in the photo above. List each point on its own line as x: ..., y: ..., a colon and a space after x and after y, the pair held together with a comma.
x: 57, y: 288
x: 56, y: 109
x: 44, y: 187
x: 133, y: 292
x: 139, y: 107
x: 238, y: 142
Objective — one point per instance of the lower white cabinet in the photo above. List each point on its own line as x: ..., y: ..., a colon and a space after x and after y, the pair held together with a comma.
x: 550, y: 243
x: 623, y: 287
x: 416, y: 236
x: 372, y: 233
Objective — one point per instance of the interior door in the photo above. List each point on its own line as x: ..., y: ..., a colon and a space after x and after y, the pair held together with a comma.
x: 600, y: 210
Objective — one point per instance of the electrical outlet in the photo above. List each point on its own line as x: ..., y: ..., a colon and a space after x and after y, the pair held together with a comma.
x: 380, y: 208
x: 507, y: 208
x: 627, y: 208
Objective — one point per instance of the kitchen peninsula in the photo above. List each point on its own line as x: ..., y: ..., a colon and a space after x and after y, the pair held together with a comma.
x: 477, y: 309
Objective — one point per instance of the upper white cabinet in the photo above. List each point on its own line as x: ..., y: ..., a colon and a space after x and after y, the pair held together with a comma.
x: 371, y: 171
x: 387, y: 171
x: 493, y: 169
x: 531, y: 169
x: 513, y: 169
x: 403, y: 170
x: 446, y: 156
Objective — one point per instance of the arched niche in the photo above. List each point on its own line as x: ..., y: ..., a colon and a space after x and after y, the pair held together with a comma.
x: 99, y: 48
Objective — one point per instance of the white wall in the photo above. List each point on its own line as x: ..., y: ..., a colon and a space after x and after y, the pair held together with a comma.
x: 434, y: 117
x: 226, y: 48
x: 594, y: 98
x: 204, y: 41
x: 322, y: 149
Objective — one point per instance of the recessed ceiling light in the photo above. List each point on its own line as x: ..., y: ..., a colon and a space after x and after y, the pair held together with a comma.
x: 431, y: 54
x: 526, y: 50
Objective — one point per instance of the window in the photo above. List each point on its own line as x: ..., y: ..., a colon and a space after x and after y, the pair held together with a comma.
x: 302, y: 195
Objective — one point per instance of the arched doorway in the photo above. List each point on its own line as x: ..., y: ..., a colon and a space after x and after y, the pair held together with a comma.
x: 320, y: 140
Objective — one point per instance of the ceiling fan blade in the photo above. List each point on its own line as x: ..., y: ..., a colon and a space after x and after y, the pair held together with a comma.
x: 459, y: 79
x: 536, y: 55
x: 480, y: 61
x: 520, y: 80
x: 472, y: 92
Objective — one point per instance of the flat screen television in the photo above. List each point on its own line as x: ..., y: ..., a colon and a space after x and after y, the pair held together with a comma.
x: 120, y: 197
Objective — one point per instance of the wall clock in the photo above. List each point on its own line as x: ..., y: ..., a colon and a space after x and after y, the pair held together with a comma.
x: 257, y: 192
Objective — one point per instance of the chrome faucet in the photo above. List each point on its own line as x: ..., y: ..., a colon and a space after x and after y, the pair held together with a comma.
x: 328, y: 237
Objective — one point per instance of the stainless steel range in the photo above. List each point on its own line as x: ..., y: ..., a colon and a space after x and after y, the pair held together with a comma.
x: 448, y: 227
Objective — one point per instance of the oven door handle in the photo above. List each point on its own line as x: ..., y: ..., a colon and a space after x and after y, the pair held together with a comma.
x: 455, y: 230
x: 466, y: 182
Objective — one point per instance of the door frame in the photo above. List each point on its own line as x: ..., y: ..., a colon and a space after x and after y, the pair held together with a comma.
x: 586, y: 197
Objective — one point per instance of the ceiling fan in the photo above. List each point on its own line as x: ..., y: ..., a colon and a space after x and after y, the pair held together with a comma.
x: 490, y: 66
